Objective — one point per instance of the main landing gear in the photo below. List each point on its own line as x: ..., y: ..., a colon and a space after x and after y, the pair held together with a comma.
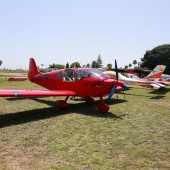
x: 62, y: 103
x: 102, y: 106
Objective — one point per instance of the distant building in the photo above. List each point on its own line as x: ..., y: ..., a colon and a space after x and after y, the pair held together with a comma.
x: 139, y: 64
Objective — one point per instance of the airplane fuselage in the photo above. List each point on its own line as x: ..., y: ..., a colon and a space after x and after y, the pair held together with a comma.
x: 84, y: 82
x: 151, y: 82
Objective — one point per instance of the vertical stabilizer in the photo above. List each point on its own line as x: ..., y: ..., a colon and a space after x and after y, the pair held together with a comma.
x: 156, y: 72
x: 33, y: 70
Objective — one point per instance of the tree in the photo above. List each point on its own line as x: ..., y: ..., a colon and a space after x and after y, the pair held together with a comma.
x: 0, y: 62
x: 58, y: 66
x: 130, y: 65
x: 99, y: 61
x: 134, y: 62
x: 88, y: 65
x: 157, y: 56
x: 95, y: 64
x: 109, y: 66
x: 126, y: 66
x: 67, y: 65
x: 77, y: 64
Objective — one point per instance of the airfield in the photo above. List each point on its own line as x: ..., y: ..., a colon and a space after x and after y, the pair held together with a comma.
x: 36, y: 134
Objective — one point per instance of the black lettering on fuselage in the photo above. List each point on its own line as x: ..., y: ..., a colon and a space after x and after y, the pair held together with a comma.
x: 43, y: 76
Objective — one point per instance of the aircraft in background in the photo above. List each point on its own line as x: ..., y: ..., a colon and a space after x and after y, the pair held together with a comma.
x: 152, y: 80
x: 82, y: 82
x: 164, y: 79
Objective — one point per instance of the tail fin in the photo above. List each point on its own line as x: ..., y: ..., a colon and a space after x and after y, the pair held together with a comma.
x: 156, y: 72
x: 33, y: 70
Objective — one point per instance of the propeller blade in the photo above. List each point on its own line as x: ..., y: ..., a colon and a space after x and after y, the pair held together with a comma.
x: 116, y: 69
x: 111, y: 93
x: 125, y: 87
x: 116, y: 83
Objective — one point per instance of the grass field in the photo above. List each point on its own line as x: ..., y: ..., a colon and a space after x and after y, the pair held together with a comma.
x: 134, y: 134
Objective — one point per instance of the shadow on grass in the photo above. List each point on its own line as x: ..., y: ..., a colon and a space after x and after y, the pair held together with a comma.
x: 157, y: 97
x: 158, y: 94
x: 45, y: 113
x: 163, y: 92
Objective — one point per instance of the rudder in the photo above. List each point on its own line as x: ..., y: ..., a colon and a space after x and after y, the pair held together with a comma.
x: 157, y: 71
x: 33, y: 70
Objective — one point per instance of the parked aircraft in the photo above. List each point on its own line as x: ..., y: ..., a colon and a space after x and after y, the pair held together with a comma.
x: 164, y: 79
x: 150, y: 80
x: 82, y: 82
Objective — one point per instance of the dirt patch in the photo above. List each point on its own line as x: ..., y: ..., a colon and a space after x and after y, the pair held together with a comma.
x: 166, y: 104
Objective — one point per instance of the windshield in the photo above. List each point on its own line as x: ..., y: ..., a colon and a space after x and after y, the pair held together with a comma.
x: 83, y: 73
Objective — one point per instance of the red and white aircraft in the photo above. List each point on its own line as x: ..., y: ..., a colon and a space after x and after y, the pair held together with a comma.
x: 150, y: 80
x: 82, y: 82
x: 165, y: 79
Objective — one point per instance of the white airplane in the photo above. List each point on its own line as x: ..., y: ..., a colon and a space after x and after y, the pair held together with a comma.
x: 151, y: 80
x: 164, y: 79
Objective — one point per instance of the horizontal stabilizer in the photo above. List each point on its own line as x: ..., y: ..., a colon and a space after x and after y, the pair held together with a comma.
x: 17, y: 78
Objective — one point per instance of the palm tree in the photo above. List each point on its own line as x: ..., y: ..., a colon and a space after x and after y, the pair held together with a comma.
x: 134, y: 62
x: 130, y: 65
x: 0, y: 62
x: 126, y: 66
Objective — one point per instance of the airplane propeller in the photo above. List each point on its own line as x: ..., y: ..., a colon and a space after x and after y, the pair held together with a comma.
x: 117, y: 83
x: 116, y: 70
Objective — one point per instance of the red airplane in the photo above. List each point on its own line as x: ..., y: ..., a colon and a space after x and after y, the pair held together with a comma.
x: 82, y: 82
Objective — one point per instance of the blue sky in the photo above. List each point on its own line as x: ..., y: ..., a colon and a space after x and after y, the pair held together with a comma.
x: 61, y: 31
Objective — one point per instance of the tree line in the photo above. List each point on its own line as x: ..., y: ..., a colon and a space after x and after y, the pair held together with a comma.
x: 95, y: 64
x: 159, y: 55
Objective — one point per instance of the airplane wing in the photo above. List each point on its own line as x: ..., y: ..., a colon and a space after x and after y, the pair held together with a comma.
x: 35, y: 93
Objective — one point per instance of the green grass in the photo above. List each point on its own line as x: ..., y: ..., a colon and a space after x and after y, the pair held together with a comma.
x: 36, y: 134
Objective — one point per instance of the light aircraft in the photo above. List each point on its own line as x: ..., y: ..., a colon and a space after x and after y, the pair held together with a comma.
x: 164, y: 79
x: 150, y: 80
x: 82, y: 82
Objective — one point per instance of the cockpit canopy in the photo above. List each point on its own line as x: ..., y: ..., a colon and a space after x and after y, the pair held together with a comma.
x: 83, y: 73
x: 79, y: 74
